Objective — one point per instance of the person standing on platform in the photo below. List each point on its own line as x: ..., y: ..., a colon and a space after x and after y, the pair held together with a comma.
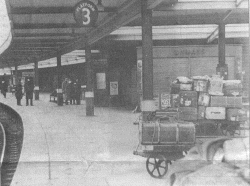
x: 69, y: 92
x: 4, y: 87
x: 73, y: 93
x: 29, y: 89
x: 77, y: 88
x: 19, y: 92
x: 64, y: 85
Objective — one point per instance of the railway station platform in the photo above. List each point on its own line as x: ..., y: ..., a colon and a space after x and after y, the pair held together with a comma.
x: 64, y: 147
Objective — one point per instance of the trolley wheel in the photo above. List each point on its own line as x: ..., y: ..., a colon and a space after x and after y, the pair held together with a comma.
x: 157, y: 167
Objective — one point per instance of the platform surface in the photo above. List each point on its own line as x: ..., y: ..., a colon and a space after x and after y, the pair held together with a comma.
x: 63, y: 147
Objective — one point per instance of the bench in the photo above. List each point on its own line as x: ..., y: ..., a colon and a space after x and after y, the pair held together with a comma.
x: 54, y: 96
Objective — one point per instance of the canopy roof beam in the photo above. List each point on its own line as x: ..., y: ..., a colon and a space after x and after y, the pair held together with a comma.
x: 215, y: 33
x: 127, y: 12
x: 52, y: 10
x: 203, y: 5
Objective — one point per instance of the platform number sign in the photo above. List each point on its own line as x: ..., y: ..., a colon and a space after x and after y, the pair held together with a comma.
x: 85, y: 13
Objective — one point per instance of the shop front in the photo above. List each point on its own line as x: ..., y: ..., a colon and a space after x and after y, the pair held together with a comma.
x: 188, y: 61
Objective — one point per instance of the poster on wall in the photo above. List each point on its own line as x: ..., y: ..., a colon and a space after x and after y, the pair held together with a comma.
x: 165, y: 100
x: 114, y: 88
x: 100, y: 80
x: 139, y: 76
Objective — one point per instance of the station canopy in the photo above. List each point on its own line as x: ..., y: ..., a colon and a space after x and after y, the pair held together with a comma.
x: 44, y: 29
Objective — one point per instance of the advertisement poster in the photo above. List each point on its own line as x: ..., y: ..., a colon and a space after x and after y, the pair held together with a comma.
x: 114, y: 88
x: 101, y: 81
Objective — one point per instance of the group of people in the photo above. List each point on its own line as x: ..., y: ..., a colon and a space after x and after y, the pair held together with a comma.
x: 71, y: 91
x: 28, y: 90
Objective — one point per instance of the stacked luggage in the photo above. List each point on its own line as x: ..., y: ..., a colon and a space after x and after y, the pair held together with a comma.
x: 205, y: 98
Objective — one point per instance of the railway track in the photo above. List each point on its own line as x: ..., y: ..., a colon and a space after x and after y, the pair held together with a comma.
x: 11, y: 136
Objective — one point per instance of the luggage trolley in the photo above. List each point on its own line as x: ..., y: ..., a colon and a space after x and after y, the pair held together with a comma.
x: 166, y: 139
x: 162, y: 141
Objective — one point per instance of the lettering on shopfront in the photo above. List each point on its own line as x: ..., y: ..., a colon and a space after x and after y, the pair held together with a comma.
x: 189, y: 52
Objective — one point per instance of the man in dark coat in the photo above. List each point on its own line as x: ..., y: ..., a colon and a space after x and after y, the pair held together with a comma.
x: 77, y: 88
x: 70, y: 92
x: 19, y: 93
x: 29, y: 89
x: 4, y: 87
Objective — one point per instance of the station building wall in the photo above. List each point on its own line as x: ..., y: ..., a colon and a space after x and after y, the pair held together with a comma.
x: 123, y: 65
x: 114, y: 65
x: 170, y: 62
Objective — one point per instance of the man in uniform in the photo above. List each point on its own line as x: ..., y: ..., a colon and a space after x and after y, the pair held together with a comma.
x: 29, y: 89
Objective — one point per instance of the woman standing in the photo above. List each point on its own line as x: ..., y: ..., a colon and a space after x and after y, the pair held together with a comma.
x: 19, y: 93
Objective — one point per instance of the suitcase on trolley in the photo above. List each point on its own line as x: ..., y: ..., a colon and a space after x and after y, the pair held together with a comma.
x: 188, y: 99
x: 168, y: 133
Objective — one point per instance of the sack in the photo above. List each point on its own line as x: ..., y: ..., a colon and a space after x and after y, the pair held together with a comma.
x: 201, y: 166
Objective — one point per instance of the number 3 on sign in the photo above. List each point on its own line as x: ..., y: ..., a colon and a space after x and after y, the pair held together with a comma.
x: 86, y: 15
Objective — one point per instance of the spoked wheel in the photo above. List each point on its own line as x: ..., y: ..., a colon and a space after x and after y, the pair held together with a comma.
x: 157, y: 167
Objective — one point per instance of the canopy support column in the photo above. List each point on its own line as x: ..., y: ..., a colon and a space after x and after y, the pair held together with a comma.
x: 222, y: 68
x: 16, y: 75
x: 59, y: 82
x: 89, y: 94
x: 36, y: 89
x: 148, y: 104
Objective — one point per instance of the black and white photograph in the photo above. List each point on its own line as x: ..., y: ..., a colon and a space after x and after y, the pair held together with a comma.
x: 124, y: 92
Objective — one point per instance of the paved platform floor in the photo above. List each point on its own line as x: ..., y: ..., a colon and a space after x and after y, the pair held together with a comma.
x: 63, y: 147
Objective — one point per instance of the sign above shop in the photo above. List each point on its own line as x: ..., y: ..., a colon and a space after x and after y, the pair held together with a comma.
x: 28, y: 74
x: 85, y: 13
x: 189, y: 52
